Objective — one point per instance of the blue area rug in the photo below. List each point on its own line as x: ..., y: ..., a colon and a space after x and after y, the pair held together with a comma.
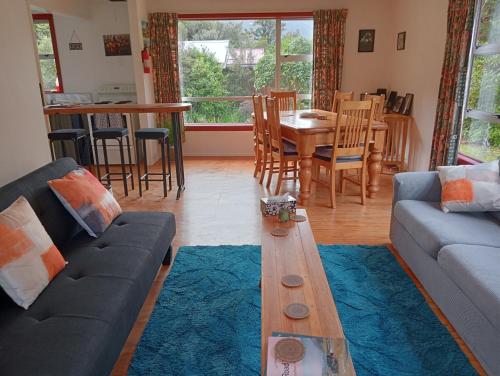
x: 207, y: 318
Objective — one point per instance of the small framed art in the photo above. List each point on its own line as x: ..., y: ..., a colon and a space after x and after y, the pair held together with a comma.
x: 401, y: 42
x: 366, y: 42
x: 398, y: 104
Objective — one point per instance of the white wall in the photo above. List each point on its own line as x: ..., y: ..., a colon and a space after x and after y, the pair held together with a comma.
x: 417, y: 69
x: 75, y: 8
x: 87, y: 70
x: 23, y: 140
x: 207, y: 143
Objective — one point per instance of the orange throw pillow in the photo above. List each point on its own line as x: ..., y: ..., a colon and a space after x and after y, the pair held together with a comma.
x: 86, y: 199
x: 29, y: 260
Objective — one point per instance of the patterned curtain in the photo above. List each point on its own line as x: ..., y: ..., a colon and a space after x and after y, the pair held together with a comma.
x: 164, y: 58
x: 453, y: 77
x: 329, y: 36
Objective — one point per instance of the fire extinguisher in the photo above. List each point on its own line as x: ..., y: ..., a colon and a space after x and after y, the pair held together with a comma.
x: 146, y: 61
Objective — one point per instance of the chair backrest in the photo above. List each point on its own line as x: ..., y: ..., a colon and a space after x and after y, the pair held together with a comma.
x: 352, y: 131
x: 394, y: 152
x: 379, y: 102
x: 287, y: 99
x: 339, y: 96
x: 258, y: 113
x: 274, y: 124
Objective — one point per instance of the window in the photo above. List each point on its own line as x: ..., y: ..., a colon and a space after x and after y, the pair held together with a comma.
x: 47, y: 52
x: 223, y: 62
x: 480, y: 136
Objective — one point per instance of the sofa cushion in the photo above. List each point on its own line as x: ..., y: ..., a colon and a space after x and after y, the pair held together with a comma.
x: 475, y: 270
x: 58, y: 223
x: 80, y: 322
x: 432, y: 229
x: 83, y: 195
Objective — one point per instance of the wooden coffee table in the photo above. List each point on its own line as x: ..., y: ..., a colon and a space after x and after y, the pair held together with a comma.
x: 295, y: 254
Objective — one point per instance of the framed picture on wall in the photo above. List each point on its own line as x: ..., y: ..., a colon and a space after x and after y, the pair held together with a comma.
x: 117, y: 45
x: 400, y: 45
x: 366, y: 42
x: 398, y: 104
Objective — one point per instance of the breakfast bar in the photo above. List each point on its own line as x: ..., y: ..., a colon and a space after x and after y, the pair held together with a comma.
x: 175, y: 109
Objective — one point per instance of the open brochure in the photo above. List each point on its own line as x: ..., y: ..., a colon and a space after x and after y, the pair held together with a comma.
x: 323, y: 357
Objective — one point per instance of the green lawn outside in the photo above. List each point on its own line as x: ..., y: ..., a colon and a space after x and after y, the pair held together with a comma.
x: 479, y: 152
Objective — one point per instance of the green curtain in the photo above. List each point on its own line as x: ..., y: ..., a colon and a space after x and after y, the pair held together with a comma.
x: 164, y: 57
x: 453, y: 78
x: 329, y: 38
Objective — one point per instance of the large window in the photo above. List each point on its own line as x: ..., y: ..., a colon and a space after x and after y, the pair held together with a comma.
x: 223, y: 62
x: 480, y: 138
x: 47, y: 52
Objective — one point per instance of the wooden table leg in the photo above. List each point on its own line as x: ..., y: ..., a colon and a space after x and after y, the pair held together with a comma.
x: 306, y: 145
x: 375, y: 164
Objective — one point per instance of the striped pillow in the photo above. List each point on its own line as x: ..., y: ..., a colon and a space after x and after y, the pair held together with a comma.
x: 92, y: 205
x: 474, y: 188
x: 29, y: 260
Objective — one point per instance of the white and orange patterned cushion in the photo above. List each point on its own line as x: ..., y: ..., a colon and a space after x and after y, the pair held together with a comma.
x: 92, y: 205
x: 474, y: 188
x: 29, y: 260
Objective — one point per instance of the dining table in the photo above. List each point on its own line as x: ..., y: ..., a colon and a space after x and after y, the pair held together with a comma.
x: 307, y: 133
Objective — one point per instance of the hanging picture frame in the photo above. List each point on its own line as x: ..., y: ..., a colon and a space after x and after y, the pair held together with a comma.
x: 366, y: 41
x: 75, y: 44
x: 401, y: 41
x: 117, y: 45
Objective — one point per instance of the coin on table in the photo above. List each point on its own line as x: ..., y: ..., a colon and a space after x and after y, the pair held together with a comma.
x: 289, y: 350
x: 296, y: 311
x: 298, y: 218
x: 292, y: 280
x: 279, y: 232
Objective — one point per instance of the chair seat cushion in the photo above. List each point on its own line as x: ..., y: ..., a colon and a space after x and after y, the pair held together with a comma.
x: 474, y: 269
x: 325, y: 154
x: 106, y: 133
x: 79, y: 323
x: 433, y: 229
x: 67, y: 134
x: 151, y: 133
x: 289, y: 148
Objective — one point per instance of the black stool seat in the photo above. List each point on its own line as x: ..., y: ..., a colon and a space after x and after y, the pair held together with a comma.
x: 105, y: 133
x: 67, y: 134
x: 160, y: 134
x: 151, y: 133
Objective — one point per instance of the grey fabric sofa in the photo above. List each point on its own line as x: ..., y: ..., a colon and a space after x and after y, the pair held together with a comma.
x: 456, y: 256
x: 80, y: 322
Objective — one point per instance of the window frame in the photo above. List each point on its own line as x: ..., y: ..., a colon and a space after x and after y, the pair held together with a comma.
x: 475, y: 50
x: 47, y: 17
x: 278, y: 16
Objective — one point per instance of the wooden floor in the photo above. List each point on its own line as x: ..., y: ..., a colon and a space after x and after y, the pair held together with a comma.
x: 221, y: 206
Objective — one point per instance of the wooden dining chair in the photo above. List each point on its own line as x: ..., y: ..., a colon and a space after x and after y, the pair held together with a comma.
x: 262, y: 157
x: 339, y: 96
x: 394, y: 153
x: 283, y: 153
x: 287, y: 99
x: 378, y: 102
x: 350, y: 146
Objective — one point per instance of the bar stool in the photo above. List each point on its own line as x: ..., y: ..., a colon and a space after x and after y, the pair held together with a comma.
x: 160, y: 134
x: 116, y: 134
x: 62, y: 135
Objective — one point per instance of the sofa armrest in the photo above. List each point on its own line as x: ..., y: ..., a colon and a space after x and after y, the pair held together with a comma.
x: 420, y: 186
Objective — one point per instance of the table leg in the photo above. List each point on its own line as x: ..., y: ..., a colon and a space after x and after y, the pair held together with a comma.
x: 306, y: 145
x: 374, y: 169
x: 179, y: 159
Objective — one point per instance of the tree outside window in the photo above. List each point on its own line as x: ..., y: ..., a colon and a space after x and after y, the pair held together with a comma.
x: 224, y: 62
